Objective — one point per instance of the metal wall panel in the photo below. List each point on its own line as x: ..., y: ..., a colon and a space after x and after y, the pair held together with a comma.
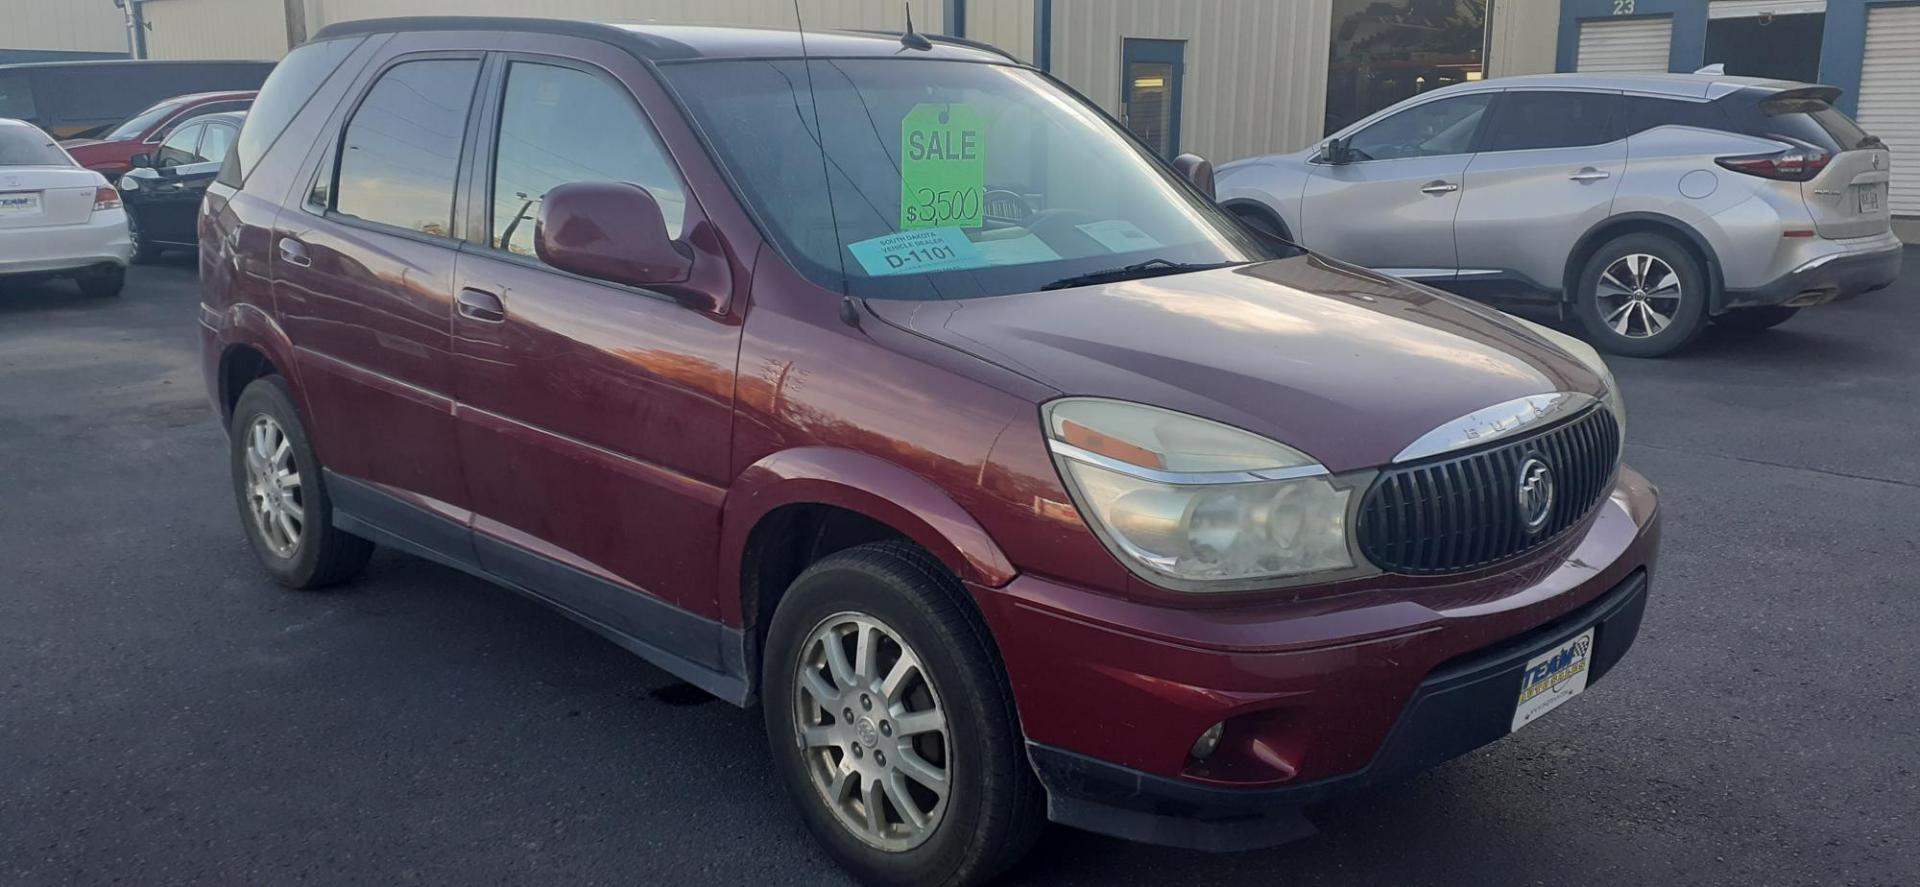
x: 62, y: 26
x: 884, y: 14
x: 1007, y: 24
x: 1890, y: 97
x: 215, y: 29
x: 1255, y: 70
x: 1521, y: 37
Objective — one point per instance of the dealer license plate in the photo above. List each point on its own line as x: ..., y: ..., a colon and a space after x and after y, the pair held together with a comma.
x: 1869, y: 199
x: 1552, y: 678
x: 20, y: 203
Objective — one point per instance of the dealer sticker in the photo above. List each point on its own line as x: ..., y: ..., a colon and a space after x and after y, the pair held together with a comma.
x: 1552, y: 678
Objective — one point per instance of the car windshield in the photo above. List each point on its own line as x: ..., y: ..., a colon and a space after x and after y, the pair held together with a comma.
x: 27, y: 146
x: 949, y: 179
x: 140, y: 122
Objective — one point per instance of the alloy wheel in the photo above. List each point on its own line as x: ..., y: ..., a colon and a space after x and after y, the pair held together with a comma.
x: 1639, y: 295
x: 273, y: 487
x: 872, y: 731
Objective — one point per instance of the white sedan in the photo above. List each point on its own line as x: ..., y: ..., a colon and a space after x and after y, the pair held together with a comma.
x: 56, y: 218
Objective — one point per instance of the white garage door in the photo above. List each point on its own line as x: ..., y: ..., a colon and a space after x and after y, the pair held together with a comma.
x: 1625, y: 46
x: 1890, y: 97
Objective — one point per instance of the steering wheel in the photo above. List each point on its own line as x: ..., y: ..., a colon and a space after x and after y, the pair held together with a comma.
x: 1008, y: 206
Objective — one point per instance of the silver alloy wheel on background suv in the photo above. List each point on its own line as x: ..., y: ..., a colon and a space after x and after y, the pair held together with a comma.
x: 1639, y: 295
x: 273, y: 487
x: 872, y: 731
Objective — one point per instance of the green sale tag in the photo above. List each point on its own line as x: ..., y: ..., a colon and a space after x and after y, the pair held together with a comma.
x: 943, y: 167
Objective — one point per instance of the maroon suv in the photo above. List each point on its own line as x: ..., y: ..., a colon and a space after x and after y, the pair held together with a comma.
x: 887, y: 383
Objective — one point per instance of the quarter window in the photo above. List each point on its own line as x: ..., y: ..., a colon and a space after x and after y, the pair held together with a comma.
x: 214, y: 145
x: 1534, y: 119
x: 561, y: 125
x: 401, y: 151
x: 1444, y: 126
x: 293, y: 82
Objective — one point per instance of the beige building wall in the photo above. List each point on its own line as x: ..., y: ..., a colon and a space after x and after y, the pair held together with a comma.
x: 1256, y: 70
x: 1521, y: 37
x: 1007, y: 24
x: 215, y: 29
x: 62, y: 25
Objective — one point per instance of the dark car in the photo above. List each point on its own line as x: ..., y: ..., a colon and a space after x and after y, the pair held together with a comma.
x: 162, y: 195
x: 113, y: 153
x: 83, y: 100
x: 899, y: 390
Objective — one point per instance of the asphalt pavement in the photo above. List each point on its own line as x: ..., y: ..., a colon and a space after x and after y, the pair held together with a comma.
x: 168, y: 716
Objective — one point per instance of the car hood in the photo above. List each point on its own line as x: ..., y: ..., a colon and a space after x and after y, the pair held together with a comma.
x: 1343, y: 364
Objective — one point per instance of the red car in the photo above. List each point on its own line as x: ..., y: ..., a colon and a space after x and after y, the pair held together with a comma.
x: 112, y: 155
x: 886, y: 383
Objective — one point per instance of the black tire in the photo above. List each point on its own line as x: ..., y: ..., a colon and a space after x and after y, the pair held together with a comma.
x: 1686, y: 317
x: 1260, y: 219
x: 144, y: 253
x: 1754, y: 320
x: 323, y: 555
x: 101, y: 283
x: 994, y: 809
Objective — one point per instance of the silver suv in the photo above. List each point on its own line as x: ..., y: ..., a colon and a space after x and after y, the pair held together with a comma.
x: 1641, y: 204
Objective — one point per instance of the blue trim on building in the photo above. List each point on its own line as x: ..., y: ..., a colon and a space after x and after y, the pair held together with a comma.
x: 1043, y: 34
x: 18, y: 56
x: 1843, y: 43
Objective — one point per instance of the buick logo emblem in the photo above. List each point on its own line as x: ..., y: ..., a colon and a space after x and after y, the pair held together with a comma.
x: 1535, y: 494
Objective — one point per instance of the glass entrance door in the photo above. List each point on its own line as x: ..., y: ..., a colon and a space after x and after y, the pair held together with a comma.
x: 1150, y: 87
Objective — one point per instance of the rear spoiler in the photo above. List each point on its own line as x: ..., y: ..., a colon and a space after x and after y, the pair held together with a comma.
x: 1816, y: 93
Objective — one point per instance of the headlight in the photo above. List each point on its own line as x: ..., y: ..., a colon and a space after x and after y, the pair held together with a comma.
x: 1196, y: 505
x: 1585, y: 353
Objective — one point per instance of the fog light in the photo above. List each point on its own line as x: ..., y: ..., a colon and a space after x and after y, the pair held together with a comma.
x: 1208, y: 741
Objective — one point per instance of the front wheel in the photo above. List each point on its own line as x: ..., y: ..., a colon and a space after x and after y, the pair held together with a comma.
x: 1756, y: 319
x: 1642, y: 295
x: 283, y: 495
x: 891, y: 722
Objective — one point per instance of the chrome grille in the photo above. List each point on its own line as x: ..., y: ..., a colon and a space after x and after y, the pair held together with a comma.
x: 1461, y: 511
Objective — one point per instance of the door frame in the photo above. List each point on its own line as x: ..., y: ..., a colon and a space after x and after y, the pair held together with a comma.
x: 1150, y: 50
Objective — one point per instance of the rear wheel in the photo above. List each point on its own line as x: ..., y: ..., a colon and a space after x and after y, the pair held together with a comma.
x: 102, y: 283
x: 282, y: 493
x: 1756, y: 319
x: 891, y: 723
x: 1642, y: 295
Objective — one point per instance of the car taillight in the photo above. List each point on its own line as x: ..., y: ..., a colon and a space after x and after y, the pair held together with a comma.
x: 105, y: 198
x: 1796, y: 164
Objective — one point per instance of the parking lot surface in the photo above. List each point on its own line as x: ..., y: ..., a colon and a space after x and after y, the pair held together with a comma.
x: 168, y: 716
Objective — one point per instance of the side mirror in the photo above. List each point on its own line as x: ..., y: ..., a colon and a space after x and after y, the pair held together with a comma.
x: 1196, y: 170
x: 1338, y: 151
x: 141, y: 161
x: 611, y: 231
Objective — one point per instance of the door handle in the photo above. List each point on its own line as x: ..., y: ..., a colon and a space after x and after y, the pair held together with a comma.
x: 480, y: 305
x: 1590, y: 175
x: 1440, y: 188
x: 294, y: 253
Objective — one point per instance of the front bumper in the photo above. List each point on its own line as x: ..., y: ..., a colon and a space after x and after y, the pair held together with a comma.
x: 103, y: 240
x: 1847, y: 268
x: 1319, y: 694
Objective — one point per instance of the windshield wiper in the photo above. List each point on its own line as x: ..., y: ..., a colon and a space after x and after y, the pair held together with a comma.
x: 1135, y: 271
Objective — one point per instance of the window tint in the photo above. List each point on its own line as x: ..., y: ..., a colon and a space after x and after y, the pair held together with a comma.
x: 28, y: 146
x: 401, y: 150
x: 1439, y: 127
x: 1794, y: 115
x: 560, y: 125
x: 1532, y: 119
x: 1646, y: 112
x: 180, y: 148
x: 214, y: 145
x: 286, y: 91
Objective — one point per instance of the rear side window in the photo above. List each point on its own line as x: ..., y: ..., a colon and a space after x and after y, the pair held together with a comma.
x: 1530, y: 120
x: 400, y: 154
x: 561, y: 125
x: 286, y: 91
x: 215, y: 144
x: 1795, y: 115
x: 1646, y: 112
